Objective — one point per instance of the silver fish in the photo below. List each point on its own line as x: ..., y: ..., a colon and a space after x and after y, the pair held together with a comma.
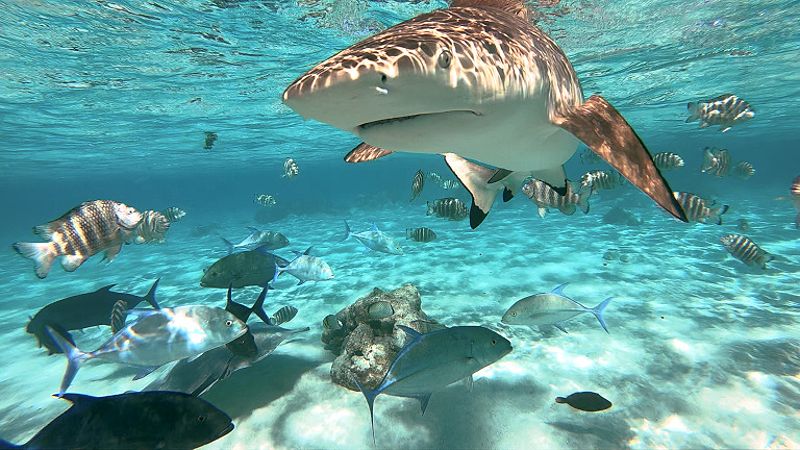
x: 597, y: 180
x: 447, y: 208
x: 374, y: 239
x: 698, y: 210
x: 159, y: 337
x: 553, y: 308
x: 422, y: 234
x: 744, y: 170
x: 726, y: 111
x: 429, y: 362
x: 668, y: 160
x: 265, y: 200
x: 173, y: 214
x: 745, y: 250
x: 417, y: 184
x: 270, y: 240
x: 152, y: 228
x: 795, y: 192
x: 88, y: 229
x: 290, y: 168
x: 716, y: 162
x: 545, y: 197
x: 306, y: 268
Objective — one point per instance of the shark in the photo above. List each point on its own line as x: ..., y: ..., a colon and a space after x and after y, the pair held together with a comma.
x: 478, y: 83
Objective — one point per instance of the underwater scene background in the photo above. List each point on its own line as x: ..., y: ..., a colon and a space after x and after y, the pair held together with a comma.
x: 178, y: 103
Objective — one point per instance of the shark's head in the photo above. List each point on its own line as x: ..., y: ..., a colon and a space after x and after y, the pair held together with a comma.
x: 429, y: 70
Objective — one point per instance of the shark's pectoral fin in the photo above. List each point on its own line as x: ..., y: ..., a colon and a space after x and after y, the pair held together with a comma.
x: 605, y: 131
x: 475, y: 178
x: 555, y: 177
x: 365, y: 152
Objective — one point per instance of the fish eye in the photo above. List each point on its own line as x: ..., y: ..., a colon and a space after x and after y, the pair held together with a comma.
x: 201, y: 419
x: 228, y: 323
x: 514, y: 314
x: 494, y: 341
x: 444, y: 59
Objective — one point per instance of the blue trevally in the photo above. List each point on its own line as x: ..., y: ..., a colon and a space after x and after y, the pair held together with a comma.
x: 374, y: 239
x: 158, y: 337
x: 429, y: 362
x: 306, y: 268
x: 269, y: 240
x: 551, y: 308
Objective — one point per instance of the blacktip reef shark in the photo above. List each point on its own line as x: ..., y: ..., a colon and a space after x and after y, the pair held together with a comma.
x: 475, y: 81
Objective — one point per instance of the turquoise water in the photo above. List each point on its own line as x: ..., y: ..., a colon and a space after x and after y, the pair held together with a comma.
x: 112, y: 100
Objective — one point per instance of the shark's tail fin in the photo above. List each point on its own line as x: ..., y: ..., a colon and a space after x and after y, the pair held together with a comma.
x: 40, y: 253
x: 150, y: 297
x: 74, y: 358
x: 475, y: 178
x: 228, y: 245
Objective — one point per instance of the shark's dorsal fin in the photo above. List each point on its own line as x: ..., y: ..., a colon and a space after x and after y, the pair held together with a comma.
x: 515, y: 7
x: 365, y: 152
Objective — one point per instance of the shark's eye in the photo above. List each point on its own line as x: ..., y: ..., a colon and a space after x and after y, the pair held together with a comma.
x: 444, y: 59
x: 383, y: 78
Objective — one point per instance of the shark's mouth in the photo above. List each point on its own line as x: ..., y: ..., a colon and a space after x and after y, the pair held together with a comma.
x: 394, y: 120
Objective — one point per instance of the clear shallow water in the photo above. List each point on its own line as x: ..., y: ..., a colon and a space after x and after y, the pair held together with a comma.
x: 99, y: 101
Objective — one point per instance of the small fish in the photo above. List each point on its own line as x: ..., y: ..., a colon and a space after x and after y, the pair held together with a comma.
x: 437, y: 179
x: 174, y: 214
x: 159, y: 337
x: 585, y: 401
x: 250, y: 268
x: 601, y: 180
x: 132, y: 420
x: 447, y: 208
x: 211, y: 137
x: 743, y: 225
x: 380, y: 310
x: 553, y: 308
x: 82, y: 311
x: 668, y: 160
x: 290, y: 168
x: 421, y: 234
x: 698, y: 210
x: 283, y: 315
x: 331, y: 322
x: 744, y: 170
x: 429, y: 362
x: 119, y: 312
x: 417, y: 184
x: 726, y: 111
x: 152, y: 228
x: 545, y: 197
x: 88, y: 229
x: 269, y: 240
x: 374, y: 239
x: 265, y: 200
x: 716, y: 162
x: 795, y: 192
x: 306, y: 268
x: 587, y: 156
x: 745, y: 250
x: 450, y: 184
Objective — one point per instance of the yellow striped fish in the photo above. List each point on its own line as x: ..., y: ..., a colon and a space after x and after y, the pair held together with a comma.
x: 87, y: 229
x: 726, y: 111
x: 744, y: 170
x: 152, y: 228
x: 745, y: 250
x: 173, y: 214
x: 417, y: 184
x: 716, y: 162
x: 447, y: 208
x: 667, y: 160
x: 422, y: 234
x: 698, y: 210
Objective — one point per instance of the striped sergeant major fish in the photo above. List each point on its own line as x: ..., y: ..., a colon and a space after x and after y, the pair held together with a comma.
x: 745, y: 250
x: 795, y: 191
x: 597, y: 180
x: 546, y: 196
x: 726, y: 111
x: 744, y: 170
x: 716, y: 162
x: 152, y: 228
x: 173, y: 214
x: 447, y: 208
x: 667, y: 160
x: 698, y: 210
x: 421, y: 234
x: 89, y: 228
x: 290, y: 168
x: 417, y: 184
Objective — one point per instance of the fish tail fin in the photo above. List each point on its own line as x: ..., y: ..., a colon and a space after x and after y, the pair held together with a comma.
x: 583, y: 200
x: 693, y: 112
x: 5, y: 445
x: 41, y: 254
x: 258, y: 307
x: 74, y: 358
x: 150, y: 297
x: 370, y: 396
x: 599, y: 310
x: 476, y: 179
x: 718, y: 212
x: 767, y: 258
x: 346, y: 232
x: 430, y: 210
x: 228, y: 245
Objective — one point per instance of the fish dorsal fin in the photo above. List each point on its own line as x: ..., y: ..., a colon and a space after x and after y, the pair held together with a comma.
x: 253, y: 229
x: 410, y: 332
x: 365, y: 152
x: 559, y: 290
x: 515, y: 7
x: 77, y: 399
x: 374, y: 227
x: 308, y: 250
x: 106, y: 288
